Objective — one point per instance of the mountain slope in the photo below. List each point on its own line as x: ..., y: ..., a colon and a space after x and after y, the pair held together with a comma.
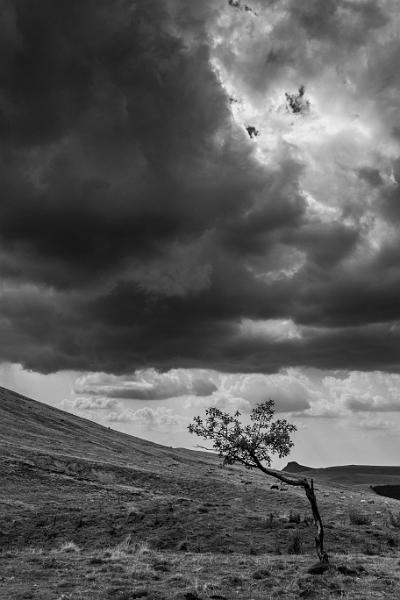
x: 28, y: 424
x: 66, y: 478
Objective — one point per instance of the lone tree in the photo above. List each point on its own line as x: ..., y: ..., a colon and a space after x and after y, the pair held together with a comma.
x: 252, y: 446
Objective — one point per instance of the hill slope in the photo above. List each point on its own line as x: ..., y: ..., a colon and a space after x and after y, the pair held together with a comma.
x: 65, y: 477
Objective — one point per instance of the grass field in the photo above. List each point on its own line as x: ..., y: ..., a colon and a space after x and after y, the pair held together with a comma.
x: 90, y: 513
x: 129, y: 571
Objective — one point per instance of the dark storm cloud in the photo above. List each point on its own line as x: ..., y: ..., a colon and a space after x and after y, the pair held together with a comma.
x: 326, y: 244
x: 371, y: 176
x: 138, y: 225
x: 119, y: 139
x: 391, y: 195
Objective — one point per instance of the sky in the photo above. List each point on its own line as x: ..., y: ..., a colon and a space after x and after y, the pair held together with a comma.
x: 201, y: 207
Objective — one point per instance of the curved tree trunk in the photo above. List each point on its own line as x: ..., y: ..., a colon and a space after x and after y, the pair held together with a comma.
x: 309, y: 490
x: 319, y: 538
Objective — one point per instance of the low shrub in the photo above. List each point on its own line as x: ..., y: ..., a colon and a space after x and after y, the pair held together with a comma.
x: 368, y: 549
x: 294, y: 517
x: 269, y: 521
x: 394, y: 520
x: 392, y: 541
x: 358, y: 517
x: 296, y: 544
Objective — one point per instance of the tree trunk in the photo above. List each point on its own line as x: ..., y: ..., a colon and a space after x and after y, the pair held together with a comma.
x: 309, y: 490
x: 319, y: 538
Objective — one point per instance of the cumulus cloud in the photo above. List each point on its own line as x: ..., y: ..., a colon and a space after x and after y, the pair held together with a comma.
x: 376, y: 392
x: 150, y: 419
x: 305, y: 393
x: 148, y: 384
x: 289, y: 390
x: 141, y: 227
x: 285, y: 389
x: 88, y: 403
x: 112, y: 411
x: 356, y: 394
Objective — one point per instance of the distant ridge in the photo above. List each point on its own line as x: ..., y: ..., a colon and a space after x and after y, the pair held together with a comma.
x: 354, y: 475
x: 295, y: 467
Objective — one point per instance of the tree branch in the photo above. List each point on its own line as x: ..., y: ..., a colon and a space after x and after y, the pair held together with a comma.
x: 300, y: 482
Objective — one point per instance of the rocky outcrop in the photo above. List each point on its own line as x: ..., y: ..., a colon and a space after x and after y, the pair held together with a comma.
x: 294, y: 467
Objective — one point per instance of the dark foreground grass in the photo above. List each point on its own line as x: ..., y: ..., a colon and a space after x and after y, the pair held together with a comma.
x: 130, y: 571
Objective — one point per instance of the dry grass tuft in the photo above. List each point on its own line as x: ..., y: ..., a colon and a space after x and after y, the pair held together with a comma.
x: 69, y: 547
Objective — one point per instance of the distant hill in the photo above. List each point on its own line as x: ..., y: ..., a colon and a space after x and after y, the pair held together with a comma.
x: 355, y: 475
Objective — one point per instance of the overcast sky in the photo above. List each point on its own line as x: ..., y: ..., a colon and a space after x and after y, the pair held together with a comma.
x: 200, y: 206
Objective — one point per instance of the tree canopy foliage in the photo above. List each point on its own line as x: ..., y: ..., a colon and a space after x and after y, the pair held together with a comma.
x: 246, y: 444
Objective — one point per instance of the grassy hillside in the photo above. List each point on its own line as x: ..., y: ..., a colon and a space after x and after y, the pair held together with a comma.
x: 88, y: 512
